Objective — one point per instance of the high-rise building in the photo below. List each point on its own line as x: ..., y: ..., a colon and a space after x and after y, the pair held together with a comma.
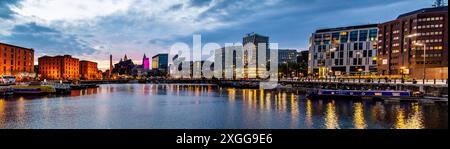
x: 255, y: 39
x: 160, y: 62
x: 343, y: 51
x: 59, y: 67
x: 415, y: 44
x: 287, y: 56
x: 88, y: 70
x: 15, y: 59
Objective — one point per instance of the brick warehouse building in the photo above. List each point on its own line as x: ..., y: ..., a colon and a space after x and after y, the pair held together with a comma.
x: 15, y: 60
x: 59, y: 67
x: 88, y: 70
x: 402, y: 42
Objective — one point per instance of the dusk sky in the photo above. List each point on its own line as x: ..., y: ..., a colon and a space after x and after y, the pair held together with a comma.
x: 92, y: 30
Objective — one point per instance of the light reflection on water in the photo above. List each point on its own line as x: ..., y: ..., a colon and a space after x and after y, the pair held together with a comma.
x: 207, y: 106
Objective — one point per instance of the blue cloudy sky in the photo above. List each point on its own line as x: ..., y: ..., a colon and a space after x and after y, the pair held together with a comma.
x: 93, y: 29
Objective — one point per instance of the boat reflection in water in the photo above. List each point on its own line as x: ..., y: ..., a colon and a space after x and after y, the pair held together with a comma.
x: 208, y: 106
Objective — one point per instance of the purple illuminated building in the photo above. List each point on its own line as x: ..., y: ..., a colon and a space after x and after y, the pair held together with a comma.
x: 146, y: 63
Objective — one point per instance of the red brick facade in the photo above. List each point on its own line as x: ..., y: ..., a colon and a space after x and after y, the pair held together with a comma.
x: 59, y: 68
x: 15, y: 59
x: 399, y: 51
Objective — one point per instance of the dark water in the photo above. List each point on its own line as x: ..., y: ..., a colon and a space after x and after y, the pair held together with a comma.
x: 204, y: 106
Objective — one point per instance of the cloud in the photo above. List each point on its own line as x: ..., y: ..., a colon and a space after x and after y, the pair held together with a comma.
x: 94, y: 29
x: 48, y: 41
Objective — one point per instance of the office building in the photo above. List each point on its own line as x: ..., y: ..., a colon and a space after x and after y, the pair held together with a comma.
x: 257, y: 69
x: 343, y: 51
x: 160, y: 62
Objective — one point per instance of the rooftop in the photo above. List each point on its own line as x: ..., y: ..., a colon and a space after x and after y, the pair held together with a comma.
x: 346, y: 28
x: 424, y: 10
x: 1, y: 43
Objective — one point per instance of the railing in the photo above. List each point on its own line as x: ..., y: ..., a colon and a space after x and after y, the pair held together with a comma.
x: 373, y: 81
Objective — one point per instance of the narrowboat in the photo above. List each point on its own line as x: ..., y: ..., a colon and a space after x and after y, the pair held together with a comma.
x: 6, y: 90
x: 33, y: 89
x: 325, y: 93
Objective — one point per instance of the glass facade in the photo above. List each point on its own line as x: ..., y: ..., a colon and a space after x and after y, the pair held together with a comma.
x: 373, y: 34
x: 354, y: 36
x: 363, y: 35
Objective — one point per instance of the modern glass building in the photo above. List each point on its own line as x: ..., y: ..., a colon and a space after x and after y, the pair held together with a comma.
x: 160, y: 62
x: 343, y: 51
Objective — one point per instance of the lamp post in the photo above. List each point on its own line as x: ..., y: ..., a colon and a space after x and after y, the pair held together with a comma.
x: 360, y: 73
x: 424, y: 54
x: 402, y: 71
x: 287, y: 69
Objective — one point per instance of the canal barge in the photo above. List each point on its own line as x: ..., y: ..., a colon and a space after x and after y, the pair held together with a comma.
x: 33, y: 89
x: 360, y: 94
x: 6, y: 90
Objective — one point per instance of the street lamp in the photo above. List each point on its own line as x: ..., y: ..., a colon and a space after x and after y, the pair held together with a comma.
x: 402, y: 71
x: 287, y: 68
x: 360, y: 73
x: 424, y: 54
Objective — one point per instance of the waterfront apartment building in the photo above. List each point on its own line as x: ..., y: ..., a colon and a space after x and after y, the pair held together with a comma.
x: 402, y: 42
x: 343, y: 51
x: 287, y: 56
x: 256, y: 39
x: 15, y: 60
x: 59, y: 67
x: 160, y: 62
x: 89, y: 70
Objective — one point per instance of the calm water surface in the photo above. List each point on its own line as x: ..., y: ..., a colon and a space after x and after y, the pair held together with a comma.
x: 207, y: 106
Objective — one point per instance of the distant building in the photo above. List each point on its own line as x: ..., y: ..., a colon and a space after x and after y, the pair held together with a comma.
x: 59, y: 67
x: 255, y: 39
x: 287, y: 56
x: 123, y: 67
x: 160, y: 62
x: 15, y: 60
x: 343, y: 51
x: 302, y: 60
x: 401, y: 44
x: 89, y: 70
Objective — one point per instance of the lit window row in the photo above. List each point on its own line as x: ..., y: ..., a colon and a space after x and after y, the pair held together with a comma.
x: 429, y: 55
x: 430, y: 19
x: 429, y: 33
x: 429, y: 41
x: 429, y: 26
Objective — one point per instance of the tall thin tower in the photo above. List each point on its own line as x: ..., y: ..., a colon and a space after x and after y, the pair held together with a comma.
x: 110, y: 66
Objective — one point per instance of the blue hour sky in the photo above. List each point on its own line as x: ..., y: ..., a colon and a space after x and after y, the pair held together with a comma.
x: 92, y: 30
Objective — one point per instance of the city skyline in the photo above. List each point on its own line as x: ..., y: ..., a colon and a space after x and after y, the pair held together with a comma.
x: 94, y: 30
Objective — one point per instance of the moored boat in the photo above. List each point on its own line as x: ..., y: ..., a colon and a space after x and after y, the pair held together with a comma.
x: 324, y: 93
x: 33, y: 89
x: 6, y: 90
